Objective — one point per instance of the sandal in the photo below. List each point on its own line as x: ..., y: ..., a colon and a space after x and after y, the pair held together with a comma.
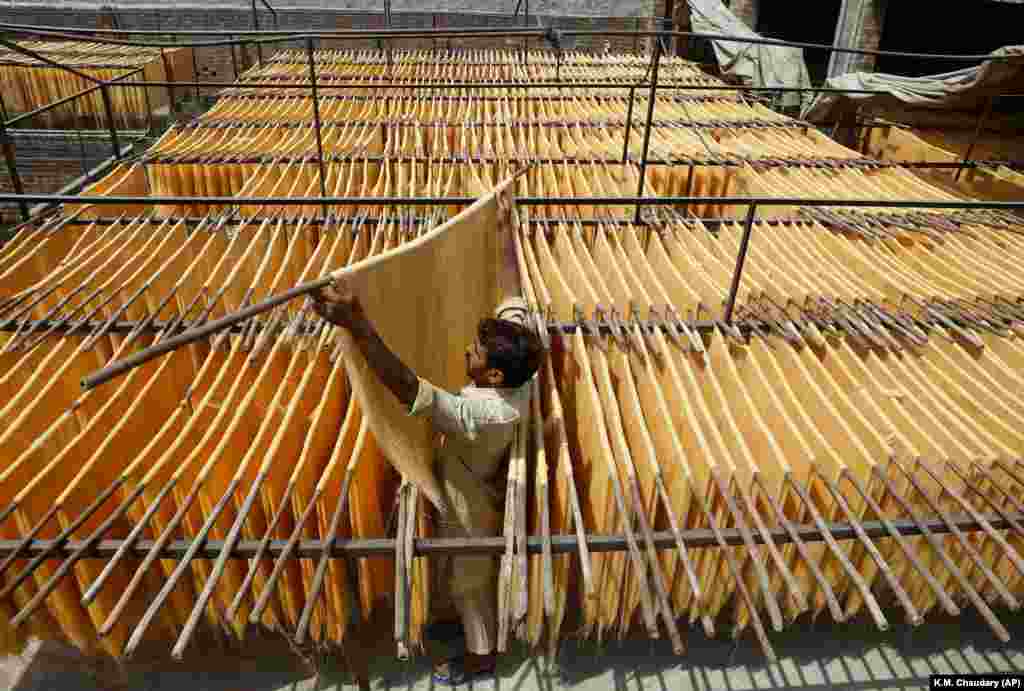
x: 453, y: 671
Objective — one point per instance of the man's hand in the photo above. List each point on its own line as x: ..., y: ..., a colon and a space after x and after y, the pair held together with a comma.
x: 340, y: 307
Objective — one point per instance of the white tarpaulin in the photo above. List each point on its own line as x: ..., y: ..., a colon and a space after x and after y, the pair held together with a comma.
x: 966, y: 89
x: 755, y: 64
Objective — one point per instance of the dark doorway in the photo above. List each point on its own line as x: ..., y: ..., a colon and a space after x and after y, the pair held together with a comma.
x: 924, y: 26
x: 809, y: 22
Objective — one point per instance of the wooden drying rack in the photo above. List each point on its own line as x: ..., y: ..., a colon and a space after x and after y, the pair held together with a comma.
x: 911, y: 524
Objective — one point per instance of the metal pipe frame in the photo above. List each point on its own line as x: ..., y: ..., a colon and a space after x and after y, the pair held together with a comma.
x: 58, y: 326
x: 307, y: 327
x: 503, y: 85
x: 111, y: 125
x: 256, y: 27
x: 233, y: 41
x: 752, y: 202
x: 982, y: 119
x: 321, y: 60
x: 187, y: 549
x: 316, y: 121
x: 7, y: 198
x: 398, y: 84
x: 512, y: 124
x: 710, y: 223
x: 9, y: 153
x: 829, y: 164
x: 67, y: 99
x: 277, y: 36
x: 105, y: 85
x: 741, y: 258
x: 10, y: 158
x: 329, y: 77
x: 651, y: 96
x: 559, y: 544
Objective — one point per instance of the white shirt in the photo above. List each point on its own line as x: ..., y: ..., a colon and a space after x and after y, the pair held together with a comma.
x: 478, y: 425
x: 481, y: 421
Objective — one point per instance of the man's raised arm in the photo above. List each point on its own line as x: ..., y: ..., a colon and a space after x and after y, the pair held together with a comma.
x: 344, y: 310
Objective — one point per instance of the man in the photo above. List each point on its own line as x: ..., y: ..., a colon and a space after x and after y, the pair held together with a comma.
x: 478, y: 427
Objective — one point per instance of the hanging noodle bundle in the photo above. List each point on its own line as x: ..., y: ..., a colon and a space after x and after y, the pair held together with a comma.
x: 31, y: 83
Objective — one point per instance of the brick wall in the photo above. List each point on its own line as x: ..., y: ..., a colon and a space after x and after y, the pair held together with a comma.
x: 871, y: 35
x: 47, y: 161
x: 861, y: 28
x: 746, y: 11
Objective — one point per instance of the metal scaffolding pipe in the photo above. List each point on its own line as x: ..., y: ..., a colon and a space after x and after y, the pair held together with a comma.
x: 830, y: 164
x: 710, y: 223
x: 741, y: 258
x: 11, y: 159
x: 499, y: 85
x: 560, y: 544
x: 7, y: 198
x: 317, y: 125
x: 651, y: 98
x: 276, y: 36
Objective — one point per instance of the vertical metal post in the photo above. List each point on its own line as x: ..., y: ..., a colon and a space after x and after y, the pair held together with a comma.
x: 669, y: 24
x: 169, y: 76
x: 149, y: 108
x: 316, y: 121
x: 526, y: 24
x: 982, y: 119
x: 689, y: 188
x: 234, y: 59
x: 81, y: 149
x: 655, y: 62
x: 12, y: 166
x: 111, y: 125
x: 387, y: 24
x: 195, y: 70
x: 629, y: 125
x: 741, y: 258
x: 256, y: 27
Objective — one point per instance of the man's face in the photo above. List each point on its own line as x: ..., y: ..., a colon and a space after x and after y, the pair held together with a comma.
x: 476, y: 360
x: 476, y: 366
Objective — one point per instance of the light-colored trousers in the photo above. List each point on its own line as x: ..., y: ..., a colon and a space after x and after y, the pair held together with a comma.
x: 471, y: 580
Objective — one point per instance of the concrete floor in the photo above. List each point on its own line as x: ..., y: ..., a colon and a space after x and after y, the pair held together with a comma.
x: 811, y: 658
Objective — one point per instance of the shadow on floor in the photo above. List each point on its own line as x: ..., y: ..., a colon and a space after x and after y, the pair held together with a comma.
x: 812, y: 657
x: 261, y: 663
